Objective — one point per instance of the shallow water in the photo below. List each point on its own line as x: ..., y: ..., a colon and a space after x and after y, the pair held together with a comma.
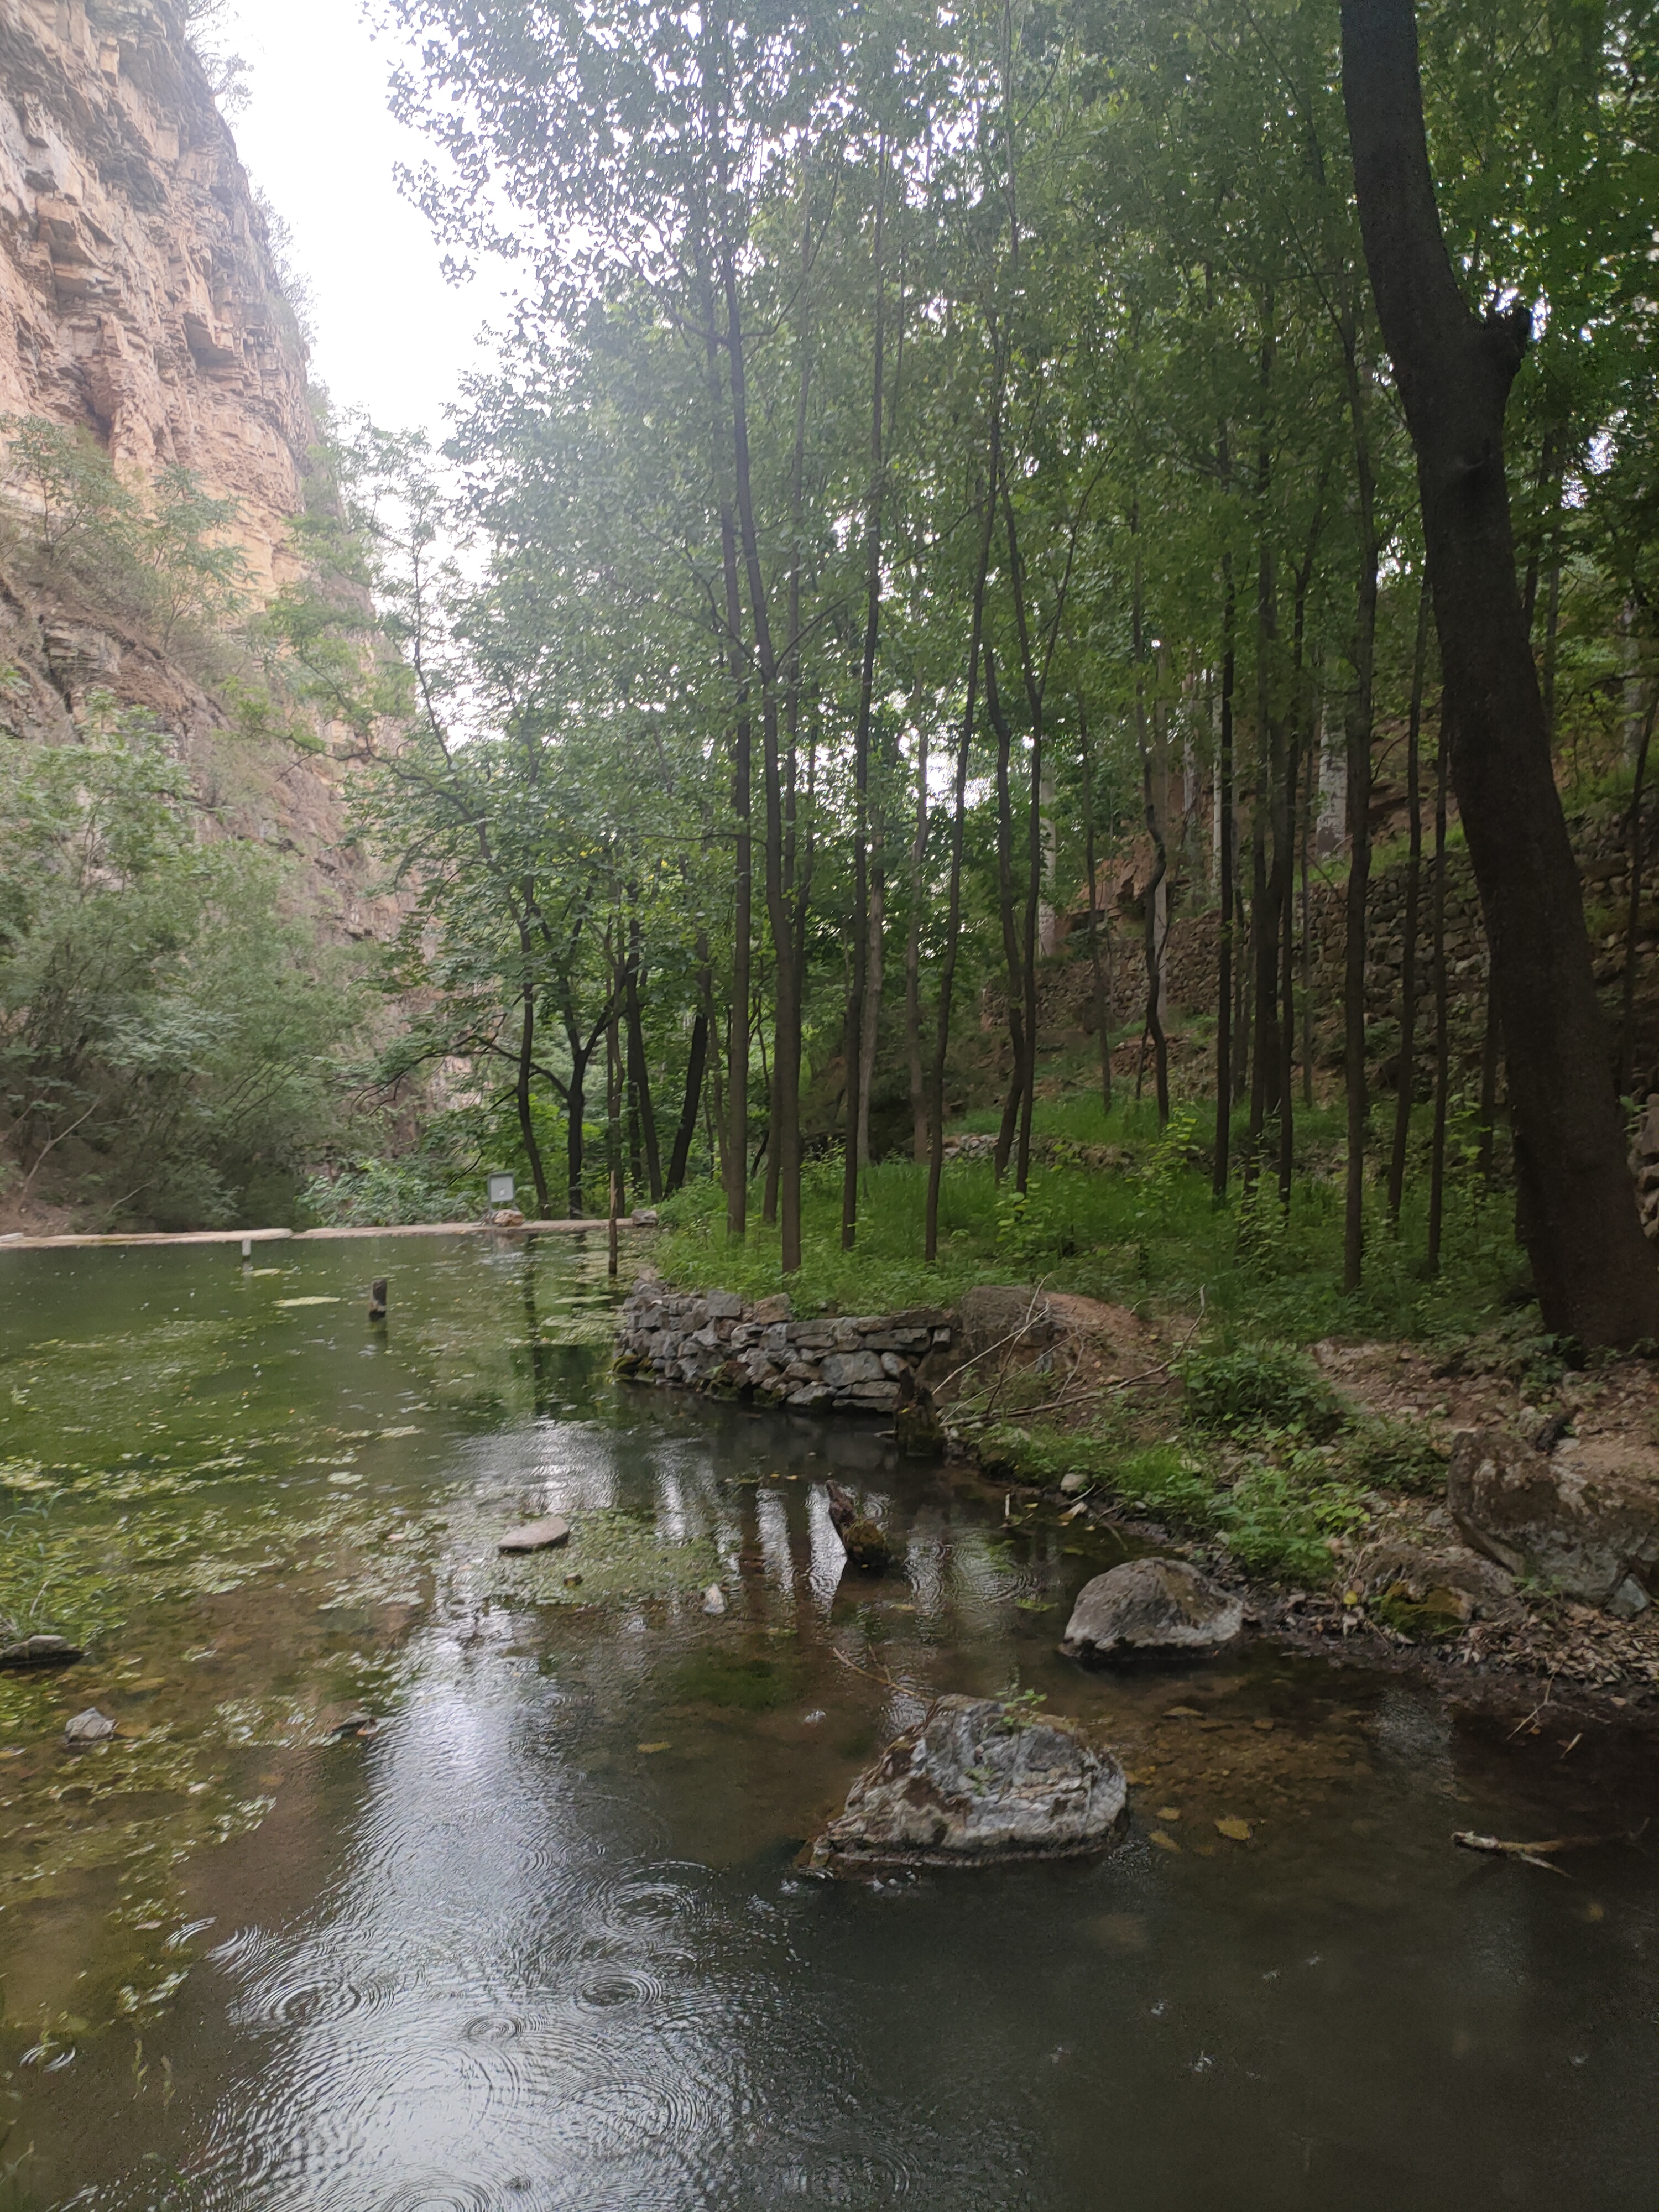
x: 539, y: 1942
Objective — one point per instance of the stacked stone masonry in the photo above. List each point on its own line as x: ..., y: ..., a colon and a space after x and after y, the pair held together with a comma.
x: 714, y: 1343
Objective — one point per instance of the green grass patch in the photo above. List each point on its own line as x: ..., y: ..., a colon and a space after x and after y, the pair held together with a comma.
x: 1146, y: 1233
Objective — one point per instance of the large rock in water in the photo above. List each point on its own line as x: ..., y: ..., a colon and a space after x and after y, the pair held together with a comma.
x: 977, y: 1781
x: 1151, y: 1604
x: 1592, y: 1533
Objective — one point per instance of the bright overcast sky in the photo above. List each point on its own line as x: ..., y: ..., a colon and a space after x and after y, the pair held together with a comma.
x: 392, y: 336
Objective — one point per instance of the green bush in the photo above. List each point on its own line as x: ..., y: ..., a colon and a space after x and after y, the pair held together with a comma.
x: 1395, y: 1456
x: 1259, y: 1385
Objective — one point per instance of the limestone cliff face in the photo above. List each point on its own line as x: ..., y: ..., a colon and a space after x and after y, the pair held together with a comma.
x: 139, y: 302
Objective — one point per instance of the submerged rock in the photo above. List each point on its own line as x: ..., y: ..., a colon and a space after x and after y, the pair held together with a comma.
x: 1151, y: 1604
x: 864, y: 1540
x: 87, y: 1728
x: 974, y: 1781
x: 714, y: 1599
x: 536, y: 1535
x: 41, y: 1651
x: 1592, y: 1533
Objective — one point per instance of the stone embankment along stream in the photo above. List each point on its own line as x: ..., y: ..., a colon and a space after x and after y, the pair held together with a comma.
x: 713, y: 1342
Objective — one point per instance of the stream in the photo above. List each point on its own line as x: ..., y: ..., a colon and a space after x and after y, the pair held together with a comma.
x: 536, y: 1938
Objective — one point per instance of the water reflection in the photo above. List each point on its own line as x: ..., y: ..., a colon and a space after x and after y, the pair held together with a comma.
x: 542, y: 1941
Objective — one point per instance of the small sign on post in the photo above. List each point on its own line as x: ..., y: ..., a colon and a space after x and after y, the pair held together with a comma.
x: 501, y: 1189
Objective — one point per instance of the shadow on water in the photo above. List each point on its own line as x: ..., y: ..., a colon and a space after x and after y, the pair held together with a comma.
x: 539, y: 1939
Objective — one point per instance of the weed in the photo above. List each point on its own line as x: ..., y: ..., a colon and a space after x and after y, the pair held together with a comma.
x: 1256, y: 1385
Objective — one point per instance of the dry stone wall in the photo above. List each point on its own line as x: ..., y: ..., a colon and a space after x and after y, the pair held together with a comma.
x: 713, y: 1342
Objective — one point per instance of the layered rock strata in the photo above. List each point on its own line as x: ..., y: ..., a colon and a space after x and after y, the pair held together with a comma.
x: 714, y: 1343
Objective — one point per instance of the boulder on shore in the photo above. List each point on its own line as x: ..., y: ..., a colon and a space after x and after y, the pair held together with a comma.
x: 1591, y: 1533
x: 976, y: 1782
x: 1151, y: 1604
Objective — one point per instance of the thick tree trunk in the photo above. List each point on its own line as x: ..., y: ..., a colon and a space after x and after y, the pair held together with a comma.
x: 875, y: 977
x: 1594, y: 1271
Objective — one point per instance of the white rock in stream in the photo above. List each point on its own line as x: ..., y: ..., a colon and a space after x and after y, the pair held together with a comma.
x: 974, y: 1781
x: 714, y: 1599
x: 89, y: 1727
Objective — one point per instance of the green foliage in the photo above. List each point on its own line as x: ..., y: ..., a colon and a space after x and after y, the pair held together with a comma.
x: 161, y: 554
x: 1258, y: 1386
x: 168, y: 1037
x: 1395, y: 1455
x: 386, y: 1193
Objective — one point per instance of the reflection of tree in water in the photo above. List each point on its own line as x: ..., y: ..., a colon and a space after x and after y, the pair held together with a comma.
x: 560, y: 1374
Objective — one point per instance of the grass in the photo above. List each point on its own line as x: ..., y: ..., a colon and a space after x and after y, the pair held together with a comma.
x: 1146, y: 1235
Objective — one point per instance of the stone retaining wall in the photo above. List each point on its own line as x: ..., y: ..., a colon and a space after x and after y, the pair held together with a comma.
x: 714, y: 1343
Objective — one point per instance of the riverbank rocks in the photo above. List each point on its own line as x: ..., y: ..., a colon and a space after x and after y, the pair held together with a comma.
x: 1434, y: 1590
x: 713, y: 1342
x: 1151, y: 1606
x: 976, y: 1782
x: 86, y: 1728
x: 1591, y: 1531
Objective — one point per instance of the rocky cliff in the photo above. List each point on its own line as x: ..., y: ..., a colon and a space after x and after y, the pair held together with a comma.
x: 140, y: 302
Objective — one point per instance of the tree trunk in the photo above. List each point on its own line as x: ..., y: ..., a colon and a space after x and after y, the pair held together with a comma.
x: 913, y: 955
x: 1223, y: 799
x: 1633, y: 918
x: 1360, y: 728
x: 521, y: 1097
x: 849, y: 1196
x: 575, y: 1109
x: 958, y: 821
x: 1100, y: 974
x: 874, y: 979
x: 1405, y: 1081
x: 1013, y: 965
x: 680, y: 1159
x: 639, y: 1074
x: 1594, y: 1271
x: 1442, y: 1001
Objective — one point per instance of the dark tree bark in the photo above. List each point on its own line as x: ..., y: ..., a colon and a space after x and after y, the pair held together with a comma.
x: 1099, y: 970
x: 1633, y: 917
x: 638, y: 1073
x: 1013, y: 961
x: 681, y: 1156
x: 1223, y: 799
x: 1442, y: 1001
x: 1594, y: 1271
x: 1405, y: 1082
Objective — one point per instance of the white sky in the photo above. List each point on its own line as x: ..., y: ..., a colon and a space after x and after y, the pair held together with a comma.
x: 392, y: 336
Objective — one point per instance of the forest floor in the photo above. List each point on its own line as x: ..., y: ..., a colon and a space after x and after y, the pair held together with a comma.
x: 1206, y: 1376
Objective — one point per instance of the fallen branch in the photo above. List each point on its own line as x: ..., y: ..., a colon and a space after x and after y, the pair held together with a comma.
x: 1529, y: 1854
